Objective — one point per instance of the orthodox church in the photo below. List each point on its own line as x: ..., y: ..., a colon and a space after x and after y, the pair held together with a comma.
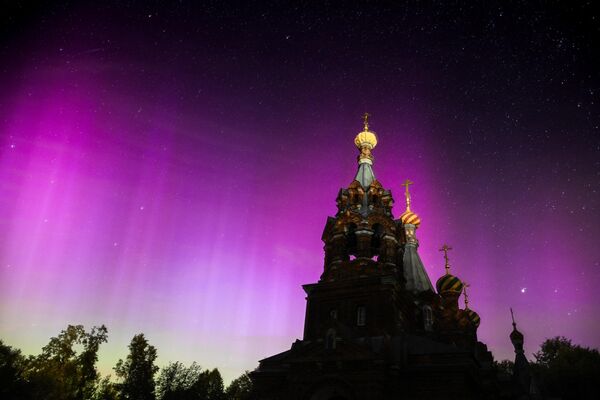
x: 375, y: 326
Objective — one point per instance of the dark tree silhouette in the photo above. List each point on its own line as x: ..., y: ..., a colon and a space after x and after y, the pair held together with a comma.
x: 240, y: 388
x: 137, y: 371
x: 209, y: 386
x: 566, y: 370
x: 176, y: 380
x: 12, y: 365
x: 60, y: 372
x: 106, y: 390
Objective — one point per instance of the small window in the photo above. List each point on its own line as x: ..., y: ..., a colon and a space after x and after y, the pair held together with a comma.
x: 427, y: 318
x: 361, y: 316
x: 333, y: 313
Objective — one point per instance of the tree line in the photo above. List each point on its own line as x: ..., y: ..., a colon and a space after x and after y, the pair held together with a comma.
x: 66, y: 370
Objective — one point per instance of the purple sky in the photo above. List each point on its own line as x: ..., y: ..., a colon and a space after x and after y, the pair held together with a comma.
x: 170, y: 171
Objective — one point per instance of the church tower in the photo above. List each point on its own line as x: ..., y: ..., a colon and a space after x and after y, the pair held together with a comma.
x: 375, y: 327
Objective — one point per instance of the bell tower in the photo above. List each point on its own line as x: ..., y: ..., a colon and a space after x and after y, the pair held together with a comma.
x: 370, y: 260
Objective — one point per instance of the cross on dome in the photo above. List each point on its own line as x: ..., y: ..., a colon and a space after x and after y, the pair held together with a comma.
x: 445, y: 249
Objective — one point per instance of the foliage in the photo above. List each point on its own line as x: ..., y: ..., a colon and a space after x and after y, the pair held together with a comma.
x: 209, y: 386
x: 504, y: 367
x: 12, y: 364
x: 61, y: 372
x: 175, y: 381
x: 566, y: 370
x: 240, y: 388
x: 106, y: 390
x: 178, y: 382
x: 137, y: 372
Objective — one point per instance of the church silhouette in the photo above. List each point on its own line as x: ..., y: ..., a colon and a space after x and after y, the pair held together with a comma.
x: 375, y: 326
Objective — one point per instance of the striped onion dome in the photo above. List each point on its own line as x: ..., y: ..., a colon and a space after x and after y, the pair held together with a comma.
x: 409, y: 217
x: 473, y: 317
x: 449, y: 284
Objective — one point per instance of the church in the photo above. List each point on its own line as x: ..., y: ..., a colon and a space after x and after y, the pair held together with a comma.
x: 375, y: 326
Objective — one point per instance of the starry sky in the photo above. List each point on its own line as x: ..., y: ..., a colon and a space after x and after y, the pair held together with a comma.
x: 168, y: 167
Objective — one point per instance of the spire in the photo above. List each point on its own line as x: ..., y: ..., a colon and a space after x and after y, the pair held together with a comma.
x: 521, y: 373
x: 513, y: 319
x: 365, y: 142
x: 417, y: 279
x: 465, y: 286
x: 406, y: 184
x: 445, y: 249
x: 408, y: 217
x: 516, y: 337
x: 366, y: 120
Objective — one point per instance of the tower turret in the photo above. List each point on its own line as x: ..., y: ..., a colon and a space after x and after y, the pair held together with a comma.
x: 472, y: 315
x: 415, y: 276
x: 363, y: 235
x: 449, y: 286
x: 523, y: 381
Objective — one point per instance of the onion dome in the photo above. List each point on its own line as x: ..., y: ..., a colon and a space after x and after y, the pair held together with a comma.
x: 516, y: 337
x: 409, y: 217
x: 448, y: 283
x: 366, y: 138
x: 473, y: 317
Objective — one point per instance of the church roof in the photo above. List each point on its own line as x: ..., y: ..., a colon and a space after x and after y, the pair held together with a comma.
x: 415, y: 275
x: 365, y: 175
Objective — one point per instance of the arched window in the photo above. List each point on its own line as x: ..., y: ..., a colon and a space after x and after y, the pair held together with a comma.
x: 330, y: 339
x: 427, y: 318
x: 376, y: 239
x: 333, y: 313
x: 361, y: 316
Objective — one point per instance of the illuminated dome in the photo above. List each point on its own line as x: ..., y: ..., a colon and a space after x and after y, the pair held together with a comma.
x: 409, y: 217
x: 473, y: 317
x: 366, y: 138
x: 449, y: 284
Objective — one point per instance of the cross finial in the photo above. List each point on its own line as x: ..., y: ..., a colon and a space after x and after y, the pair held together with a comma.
x: 513, y: 319
x: 406, y: 184
x: 465, y: 286
x: 366, y: 120
x: 445, y: 249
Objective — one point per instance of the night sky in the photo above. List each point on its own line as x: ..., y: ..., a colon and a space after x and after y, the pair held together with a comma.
x: 169, y: 168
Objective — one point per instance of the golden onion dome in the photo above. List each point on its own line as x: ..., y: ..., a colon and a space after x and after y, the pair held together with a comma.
x: 409, y: 217
x: 366, y: 138
x: 449, y: 284
x: 473, y: 317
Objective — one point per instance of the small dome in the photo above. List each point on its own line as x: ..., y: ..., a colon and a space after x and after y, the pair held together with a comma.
x: 409, y: 217
x: 449, y: 284
x: 473, y: 317
x: 366, y: 138
x: 515, y: 335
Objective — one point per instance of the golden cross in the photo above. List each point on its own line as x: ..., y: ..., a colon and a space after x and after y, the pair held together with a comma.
x: 366, y: 120
x: 445, y: 249
x: 465, y: 286
x: 406, y: 184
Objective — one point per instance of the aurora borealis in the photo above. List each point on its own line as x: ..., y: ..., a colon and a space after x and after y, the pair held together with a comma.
x: 169, y: 168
